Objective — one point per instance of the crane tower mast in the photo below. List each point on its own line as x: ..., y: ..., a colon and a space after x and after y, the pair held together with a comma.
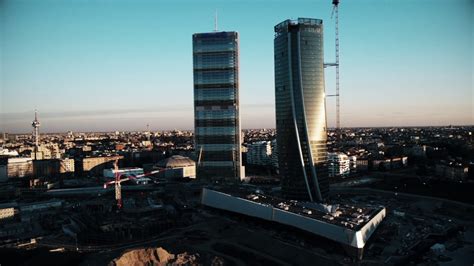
x: 336, y: 14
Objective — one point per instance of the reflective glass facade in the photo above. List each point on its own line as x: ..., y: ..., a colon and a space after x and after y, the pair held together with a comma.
x: 216, y: 106
x: 300, y: 109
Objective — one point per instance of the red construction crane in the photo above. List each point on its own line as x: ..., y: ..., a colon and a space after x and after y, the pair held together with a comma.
x: 118, y: 180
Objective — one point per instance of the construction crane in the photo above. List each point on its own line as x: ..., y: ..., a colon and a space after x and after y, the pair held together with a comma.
x: 118, y: 181
x: 335, y: 14
x: 335, y: 11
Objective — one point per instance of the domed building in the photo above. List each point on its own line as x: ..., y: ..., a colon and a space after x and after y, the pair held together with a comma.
x: 177, y: 167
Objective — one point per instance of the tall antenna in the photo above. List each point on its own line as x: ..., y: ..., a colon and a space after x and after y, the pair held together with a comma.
x: 148, y: 131
x: 215, y: 21
x: 36, y: 124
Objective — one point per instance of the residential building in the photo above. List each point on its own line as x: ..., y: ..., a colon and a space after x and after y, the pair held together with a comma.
x: 20, y: 167
x: 274, y: 154
x: 7, y: 210
x: 362, y: 164
x: 3, y: 168
x: 95, y: 165
x: 259, y: 153
x: 451, y: 171
x: 67, y: 166
x: 353, y: 163
x: 338, y: 164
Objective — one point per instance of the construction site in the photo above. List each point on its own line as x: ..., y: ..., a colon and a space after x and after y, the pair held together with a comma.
x: 171, y: 216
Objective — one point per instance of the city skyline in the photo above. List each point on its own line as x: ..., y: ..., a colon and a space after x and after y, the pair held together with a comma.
x: 95, y: 66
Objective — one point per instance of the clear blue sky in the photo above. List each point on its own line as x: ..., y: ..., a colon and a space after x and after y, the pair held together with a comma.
x: 118, y: 65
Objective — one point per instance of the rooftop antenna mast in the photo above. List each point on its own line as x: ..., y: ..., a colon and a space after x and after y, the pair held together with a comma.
x: 148, y: 131
x: 215, y: 21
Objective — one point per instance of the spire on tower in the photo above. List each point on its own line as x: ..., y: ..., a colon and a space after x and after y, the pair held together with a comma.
x: 215, y: 21
x: 148, y: 132
x: 36, y: 124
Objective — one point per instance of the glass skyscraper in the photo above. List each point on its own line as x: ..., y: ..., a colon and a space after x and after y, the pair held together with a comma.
x: 216, y: 106
x: 300, y: 109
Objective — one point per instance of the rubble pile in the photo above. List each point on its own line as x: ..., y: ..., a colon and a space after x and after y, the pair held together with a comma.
x: 154, y: 256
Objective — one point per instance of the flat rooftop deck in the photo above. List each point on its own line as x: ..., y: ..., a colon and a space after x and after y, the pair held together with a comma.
x: 351, y: 225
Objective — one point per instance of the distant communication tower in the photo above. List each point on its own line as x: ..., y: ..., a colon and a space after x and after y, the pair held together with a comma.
x: 148, y: 133
x: 36, y: 124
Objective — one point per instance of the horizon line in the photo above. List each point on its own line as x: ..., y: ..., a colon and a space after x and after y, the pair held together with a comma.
x: 192, y: 130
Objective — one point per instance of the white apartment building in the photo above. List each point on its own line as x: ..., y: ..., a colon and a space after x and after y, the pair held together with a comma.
x: 338, y: 164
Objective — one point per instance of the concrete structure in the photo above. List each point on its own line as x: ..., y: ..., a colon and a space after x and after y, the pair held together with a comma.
x: 338, y: 164
x: 389, y: 163
x: 3, y: 173
x: 452, y: 171
x: 177, y: 167
x: 19, y: 167
x: 362, y: 164
x: 53, y: 167
x: 349, y: 225
x: 7, y: 210
x: 259, y: 153
x: 46, y: 168
x: 46, y: 151
x: 95, y: 165
x: 3, y: 168
x: 8, y: 153
x: 41, y: 205
x: 67, y: 166
x: 300, y: 109
x: 6, y: 213
x: 274, y: 154
x: 381, y: 164
x: 353, y: 163
x: 398, y: 162
x: 417, y: 151
x: 216, y: 106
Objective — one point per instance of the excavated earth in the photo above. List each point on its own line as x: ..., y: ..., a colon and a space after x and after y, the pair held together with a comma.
x: 155, y: 256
